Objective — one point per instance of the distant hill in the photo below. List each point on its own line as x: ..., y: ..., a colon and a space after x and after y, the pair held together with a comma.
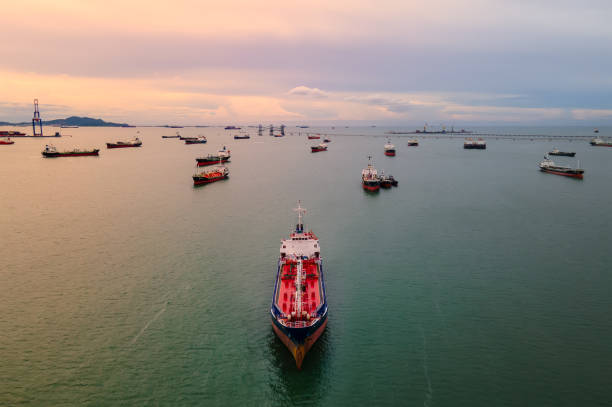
x: 72, y: 121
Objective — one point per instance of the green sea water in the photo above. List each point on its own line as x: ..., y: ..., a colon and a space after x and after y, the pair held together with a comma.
x: 479, y: 281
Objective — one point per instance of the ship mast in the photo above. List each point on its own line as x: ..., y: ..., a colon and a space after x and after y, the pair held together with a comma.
x: 299, y: 228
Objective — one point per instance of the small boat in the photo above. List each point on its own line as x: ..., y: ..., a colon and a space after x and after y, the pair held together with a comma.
x: 217, y: 173
x: 393, y: 180
x: 549, y: 166
x: 318, y: 147
x: 556, y: 151
x: 601, y: 143
x: 385, y: 182
x: 326, y: 140
x: 123, y: 144
x: 210, y: 159
x: 389, y: 149
x: 369, y: 177
x: 413, y: 143
x: 470, y: 144
x: 311, y: 137
x: 8, y: 141
x: 595, y: 130
x: 51, y: 151
x: 196, y: 140
x: 241, y: 136
x: 299, y: 302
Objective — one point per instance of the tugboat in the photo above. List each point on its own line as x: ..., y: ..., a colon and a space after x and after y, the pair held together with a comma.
x: 319, y: 147
x: 394, y: 182
x: 389, y: 149
x: 385, y: 182
x: 213, y: 174
x: 556, y: 151
x: 326, y: 140
x: 413, y: 143
x: 369, y: 177
x: 222, y: 156
x: 299, y: 302
x: 549, y: 166
x: 470, y: 144
x: 316, y: 137
x: 601, y: 143
x: 241, y: 137
x: 122, y: 144
x: 51, y: 151
x: 595, y: 130
x: 196, y: 140
x: 8, y: 141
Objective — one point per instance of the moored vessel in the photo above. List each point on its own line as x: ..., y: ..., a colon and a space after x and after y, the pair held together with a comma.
x: 389, y: 149
x: 241, y: 136
x: 326, y: 140
x: 299, y: 302
x: 51, y: 151
x: 210, y: 159
x: 385, y: 181
x: 6, y: 142
x: 413, y: 143
x: 11, y: 133
x: 123, y: 144
x: 196, y: 140
x: 177, y: 135
x: 369, y: 177
x: 318, y: 147
x: 556, y: 151
x: 601, y: 143
x: 549, y: 166
x: 217, y: 173
x: 313, y: 137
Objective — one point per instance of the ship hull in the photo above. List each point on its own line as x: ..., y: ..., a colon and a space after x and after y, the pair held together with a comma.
x: 204, y: 181
x: 6, y: 143
x: 601, y: 144
x: 562, y: 154
x: 316, y: 150
x: 83, y: 154
x: 571, y: 174
x: 390, y: 153
x: 475, y: 146
x: 299, y: 340
x: 112, y: 145
x: 241, y: 138
x: 205, y: 163
x: 372, y: 187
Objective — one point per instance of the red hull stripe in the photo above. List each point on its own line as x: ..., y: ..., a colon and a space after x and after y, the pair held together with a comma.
x: 370, y: 187
x: 207, y: 181
x: 564, y: 174
x: 121, y: 146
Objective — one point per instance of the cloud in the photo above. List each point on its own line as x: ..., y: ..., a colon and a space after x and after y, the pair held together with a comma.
x: 306, y: 91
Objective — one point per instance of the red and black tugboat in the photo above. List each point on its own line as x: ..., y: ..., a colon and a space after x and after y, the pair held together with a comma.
x: 217, y: 173
x: 210, y: 159
x: 51, y: 151
x: 550, y: 167
x: 369, y: 178
x: 389, y: 149
x: 123, y: 144
x: 6, y: 142
x: 299, y: 302
x: 318, y: 147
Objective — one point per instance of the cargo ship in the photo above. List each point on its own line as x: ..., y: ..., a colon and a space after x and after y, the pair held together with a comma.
x: 124, y: 144
x: 299, y: 302
x: 51, y: 151
x: 549, y: 166
x: 389, y: 149
x: 601, y: 143
x: 318, y: 147
x: 556, y: 151
x: 470, y: 144
x: 218, y: 173
x: 6, y: 142
x: 369, y: 178
x: 413, y: 143
x: 222, y: 156
x: 196, y: 140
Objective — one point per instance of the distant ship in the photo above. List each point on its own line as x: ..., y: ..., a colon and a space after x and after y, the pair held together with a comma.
x: 318, y: 147
x: 51, y: 151
x: 369, y: 177
x: 595, y: 130
x: 196, y: 140
x: 241, y: 136
x: 299, y: 302
x: 601, y: 143
x: 67, y: 126
x: 549, y: 166
x: 556, y: 151
x: 470, y: 144
x: 6, y: 142
x: 210, y: 159
x: 175, y: 136
x: 217, y: 173
x: 315, y: 137
x: 11, y: 133
x: 123, y: 144
x: 232, y: 128
x: 413, y: 143
x: 389, y: 149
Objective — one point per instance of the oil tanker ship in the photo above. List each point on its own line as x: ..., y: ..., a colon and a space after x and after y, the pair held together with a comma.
x: 210, y: 159
x: 123, y: 144
x: 51, y: 151
x: 369, y: 178
x: 218, y: 173
x: 299, y: 303
x: 550, y: 167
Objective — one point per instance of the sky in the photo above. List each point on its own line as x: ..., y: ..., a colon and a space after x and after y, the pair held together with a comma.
x: 203, y: 62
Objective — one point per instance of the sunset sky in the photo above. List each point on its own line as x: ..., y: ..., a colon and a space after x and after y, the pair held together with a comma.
x: 295, y: 61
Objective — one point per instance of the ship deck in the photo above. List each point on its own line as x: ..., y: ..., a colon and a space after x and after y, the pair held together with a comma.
x: 311, y: 298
